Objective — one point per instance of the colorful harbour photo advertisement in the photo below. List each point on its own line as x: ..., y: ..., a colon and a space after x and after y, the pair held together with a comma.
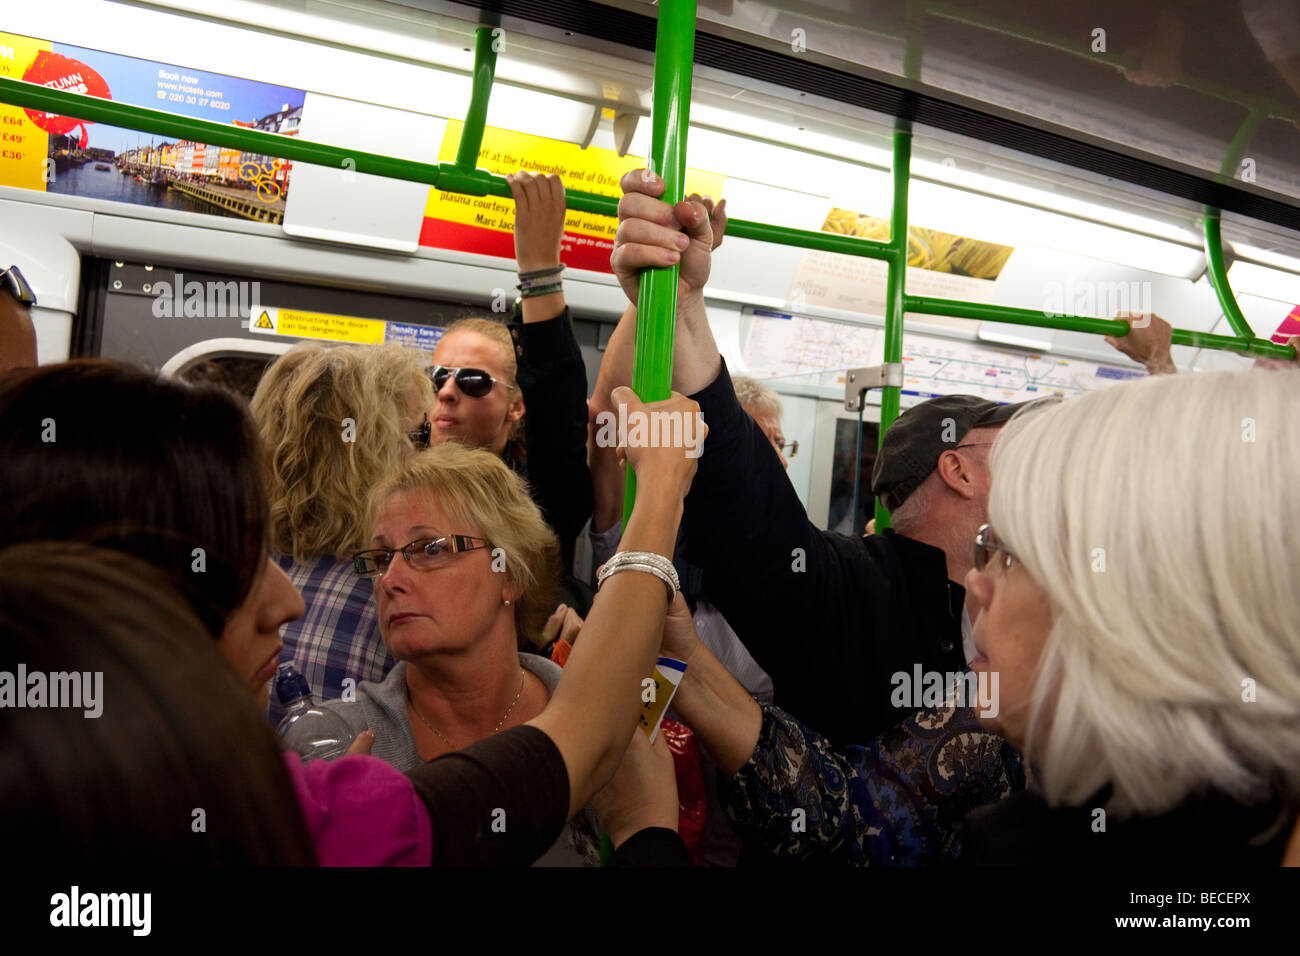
x: 485, y: 224
x: 61, y: 154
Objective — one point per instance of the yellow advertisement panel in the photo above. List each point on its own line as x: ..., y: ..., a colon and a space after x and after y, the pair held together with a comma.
x: 23, y: 144
x: 485, y: 224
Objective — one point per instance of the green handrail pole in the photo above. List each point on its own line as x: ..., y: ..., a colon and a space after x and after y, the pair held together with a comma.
x: 485, y: 67
x: 1219, y: 275
x: 913, y: 41
x: 656, y: 319
x: 895, y: 292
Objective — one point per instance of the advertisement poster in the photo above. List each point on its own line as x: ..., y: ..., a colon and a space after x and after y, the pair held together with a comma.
x: 485, y: 224
x: 939, y: 264
x: 61, y: 154
x: 1290, y: 326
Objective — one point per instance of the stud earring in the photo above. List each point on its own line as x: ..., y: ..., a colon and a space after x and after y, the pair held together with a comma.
x: 506, y: 602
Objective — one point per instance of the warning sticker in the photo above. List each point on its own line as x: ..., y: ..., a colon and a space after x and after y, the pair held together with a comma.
x: 423, y: 337
x: 319, y: 325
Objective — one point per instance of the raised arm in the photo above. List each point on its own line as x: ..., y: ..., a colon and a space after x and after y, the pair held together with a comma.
x: 894, y: 802
x: 745, y: 525
x: 595, y: 708
x: 551, y: 373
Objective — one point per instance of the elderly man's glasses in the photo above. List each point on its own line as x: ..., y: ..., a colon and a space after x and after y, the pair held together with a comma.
x: 474, y: 382
x: 12, y: 281
x: 789, y: 448
x: 986, y: 545
x: 421, y: 554
x: 420, y: 436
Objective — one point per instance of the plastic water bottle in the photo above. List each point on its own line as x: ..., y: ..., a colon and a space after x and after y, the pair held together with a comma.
x: 313, y: 733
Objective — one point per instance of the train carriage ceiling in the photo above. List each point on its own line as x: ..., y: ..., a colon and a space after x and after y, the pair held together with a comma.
x: 1196, y: 98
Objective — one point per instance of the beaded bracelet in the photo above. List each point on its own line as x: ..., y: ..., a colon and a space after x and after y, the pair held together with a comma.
x: 645, y: 561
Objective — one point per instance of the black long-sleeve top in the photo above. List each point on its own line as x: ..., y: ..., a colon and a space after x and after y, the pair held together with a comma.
x: 830, y: 617
x: 553, y: 381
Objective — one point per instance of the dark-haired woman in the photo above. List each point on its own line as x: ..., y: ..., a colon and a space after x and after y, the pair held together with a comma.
x: 104, y: 452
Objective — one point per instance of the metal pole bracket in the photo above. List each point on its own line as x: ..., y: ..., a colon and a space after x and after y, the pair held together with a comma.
x: 858, y: 381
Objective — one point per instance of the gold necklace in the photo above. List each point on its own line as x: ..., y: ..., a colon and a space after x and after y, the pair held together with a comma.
x: 411, y: 700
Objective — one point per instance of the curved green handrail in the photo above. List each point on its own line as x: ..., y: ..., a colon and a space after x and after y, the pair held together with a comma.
x: 1218, y: 274
x: 485, y: 68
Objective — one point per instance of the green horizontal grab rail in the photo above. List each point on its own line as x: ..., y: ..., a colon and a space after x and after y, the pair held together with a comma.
x: 984, y: 312
x: 445, y: 176
x: 479, y: 183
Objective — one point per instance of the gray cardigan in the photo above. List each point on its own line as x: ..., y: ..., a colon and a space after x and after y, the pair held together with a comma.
x: 381, y: 707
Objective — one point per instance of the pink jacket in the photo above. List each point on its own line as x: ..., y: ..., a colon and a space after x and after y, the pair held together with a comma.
x: 361, y: 811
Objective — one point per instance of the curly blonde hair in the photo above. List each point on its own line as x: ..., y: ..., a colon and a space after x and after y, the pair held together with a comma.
x: 333, y: 423
x: 480, y: 493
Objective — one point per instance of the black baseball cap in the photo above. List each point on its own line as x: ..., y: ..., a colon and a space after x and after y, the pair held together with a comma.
x: 921, y: 434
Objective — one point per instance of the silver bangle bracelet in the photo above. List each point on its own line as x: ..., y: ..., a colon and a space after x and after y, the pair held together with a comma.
x: 644, y: 561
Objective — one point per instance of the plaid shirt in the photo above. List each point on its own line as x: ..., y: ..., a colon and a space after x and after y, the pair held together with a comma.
x: 338, y: 637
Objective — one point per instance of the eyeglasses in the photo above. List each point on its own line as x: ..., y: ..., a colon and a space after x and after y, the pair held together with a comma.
x: 12, y: 280
x: 474, y: 382
x: 421, y: 554
x: 986, y: 543
x: 789, y: 448
x: 973, y: 444
x: 420, y: 436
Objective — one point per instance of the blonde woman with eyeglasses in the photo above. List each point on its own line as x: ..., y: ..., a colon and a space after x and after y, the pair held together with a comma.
x: 464, y: 571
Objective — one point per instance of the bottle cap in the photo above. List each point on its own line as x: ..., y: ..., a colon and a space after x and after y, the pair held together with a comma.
x: 289, y: 684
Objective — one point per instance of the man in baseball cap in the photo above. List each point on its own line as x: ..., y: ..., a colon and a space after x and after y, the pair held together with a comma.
x: 932, y: 473
x: 914, y: 443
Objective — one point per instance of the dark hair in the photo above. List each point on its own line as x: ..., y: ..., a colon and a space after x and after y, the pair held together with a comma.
x: 109, y: 453
x: 176, y: 732
x: 234, y: 373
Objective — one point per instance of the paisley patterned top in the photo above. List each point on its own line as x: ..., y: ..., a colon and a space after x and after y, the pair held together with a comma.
x: 892, y: 803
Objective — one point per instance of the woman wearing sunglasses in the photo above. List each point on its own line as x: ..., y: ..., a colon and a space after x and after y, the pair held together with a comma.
x: 1138, y: 607
x: 485, y: 374
x: 333, y: 423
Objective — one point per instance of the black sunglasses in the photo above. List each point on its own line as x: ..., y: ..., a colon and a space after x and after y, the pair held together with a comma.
x: 474, y: 382
x: 420, y: 436
x: 18, y: 287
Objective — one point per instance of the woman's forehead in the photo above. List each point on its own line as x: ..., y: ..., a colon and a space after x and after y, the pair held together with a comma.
x: 412, y: 507
x: 473, y: 349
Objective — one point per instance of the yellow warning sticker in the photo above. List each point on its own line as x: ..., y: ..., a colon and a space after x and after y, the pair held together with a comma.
x: 319, y: 325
